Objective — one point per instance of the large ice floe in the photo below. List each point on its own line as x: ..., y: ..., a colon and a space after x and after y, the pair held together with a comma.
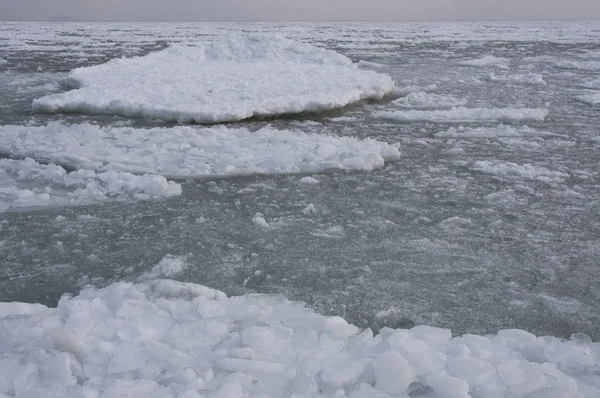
x: 166, y: 339
x: 461, y: 114
x: 192, y: 151
x: 27, y: 184
x: 238, y: 77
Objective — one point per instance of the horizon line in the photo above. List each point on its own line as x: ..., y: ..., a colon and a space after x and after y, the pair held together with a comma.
x: 77, y: 20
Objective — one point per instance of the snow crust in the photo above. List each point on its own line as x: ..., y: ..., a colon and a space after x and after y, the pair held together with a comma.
x: 188, y: 151
x: 462, y: 114
x: 170, y: 339
x: 423, y: 100
x: 235, y: 78
x: 27, y: 184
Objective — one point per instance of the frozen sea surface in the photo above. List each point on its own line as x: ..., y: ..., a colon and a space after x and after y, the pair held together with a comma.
x: 476, y: 207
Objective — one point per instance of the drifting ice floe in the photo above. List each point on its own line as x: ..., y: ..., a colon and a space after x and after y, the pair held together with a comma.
x: 579, y: 65
x: 26, y: 184
x: 593, y: 84
x: 528, y: 78
x: 171, y: 339
x: 499, y: 131
x: 423, y: 100
x: 188, y: 151
x: 461, y: 114
x: 233, y: 79
x: 526, y: 171
x: 488, y: 60
x: 590, y: 97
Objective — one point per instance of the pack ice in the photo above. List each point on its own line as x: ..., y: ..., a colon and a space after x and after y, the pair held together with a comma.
x: 238, y: 77
x: 170, y: 339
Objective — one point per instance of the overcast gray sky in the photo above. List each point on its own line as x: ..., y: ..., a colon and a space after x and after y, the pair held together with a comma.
x: 200, y: 10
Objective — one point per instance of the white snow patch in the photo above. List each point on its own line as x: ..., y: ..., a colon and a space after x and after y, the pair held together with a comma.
x: 235, y: 78
x: 165, y: 338
x: 26, y: 184
x: 527, y: 171
x: 189, y: 151
x: 423, y: 100
x: 461, y: 114
x: 488, y: 60
x: 527, y: 78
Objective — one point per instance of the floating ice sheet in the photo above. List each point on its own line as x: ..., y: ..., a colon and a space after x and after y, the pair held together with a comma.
x: 171, y: 339
x: 26, y: 184
x: 239, y: 77
x: 192, y: 151
x: 461, y: 114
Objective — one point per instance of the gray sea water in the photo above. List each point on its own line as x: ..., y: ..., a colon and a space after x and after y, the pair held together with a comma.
x: 428, y: 239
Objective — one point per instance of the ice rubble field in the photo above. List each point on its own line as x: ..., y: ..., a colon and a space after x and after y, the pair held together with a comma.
x: 239, y: 77
x: 172, y: 339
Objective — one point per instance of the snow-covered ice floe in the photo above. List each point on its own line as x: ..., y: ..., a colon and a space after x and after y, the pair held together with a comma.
x: 192, y: 151
x: 461, y: 114
x: 423, y: 100
x: 26, y: 184
x: 170, y: 339
x: 238, y: 77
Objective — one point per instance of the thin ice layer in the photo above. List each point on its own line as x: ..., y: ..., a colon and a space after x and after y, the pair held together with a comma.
x: 171, y: 339
x: 461, y: 114
x: 26, y: 184
x: 239, y: 77
x: 193, y: 151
